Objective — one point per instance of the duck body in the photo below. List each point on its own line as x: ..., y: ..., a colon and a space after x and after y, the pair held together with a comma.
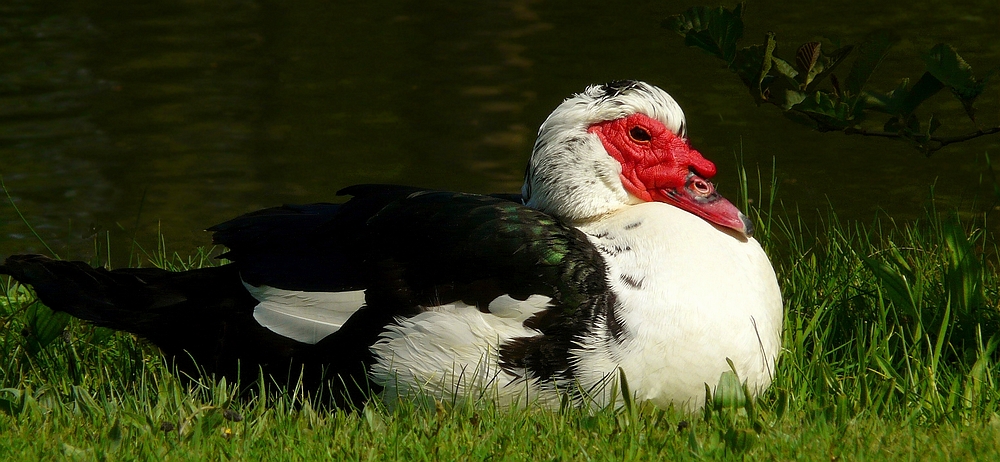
x: 697, y: 296
x: 617, y: 257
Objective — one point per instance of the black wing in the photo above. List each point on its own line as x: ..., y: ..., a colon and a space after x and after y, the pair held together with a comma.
x: 408, y: 248
x: 428, y: 248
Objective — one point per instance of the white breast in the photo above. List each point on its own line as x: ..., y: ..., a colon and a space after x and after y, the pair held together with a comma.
x: 690, y: 296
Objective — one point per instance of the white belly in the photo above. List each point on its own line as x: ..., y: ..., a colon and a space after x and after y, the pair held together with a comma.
x: 690, y: 296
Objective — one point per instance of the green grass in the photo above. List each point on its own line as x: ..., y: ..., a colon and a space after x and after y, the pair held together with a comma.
x: 890, y: 343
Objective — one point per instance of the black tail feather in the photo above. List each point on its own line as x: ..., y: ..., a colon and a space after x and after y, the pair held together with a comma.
x: 202, y: 320
x: 103, y: 297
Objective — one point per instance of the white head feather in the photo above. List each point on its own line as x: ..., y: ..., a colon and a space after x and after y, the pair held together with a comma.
x: 570, y: 174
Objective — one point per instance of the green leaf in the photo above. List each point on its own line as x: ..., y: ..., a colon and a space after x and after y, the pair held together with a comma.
x: 373, y: 418
x: 896, y: 285
x: 813, y: 64
x: 11, y: 401
x: 889, y: 103
x: 753, y: 65
x: 903, y: 101
x: 83, y: 402
x: 963, y: 271
x: 806, y: 56
x: 740, y: 440
x: 782, y: 403
x: 715, y: 30
x: 871, y: 52
x: 793, y: 97
x: 44, y: 326
x: 825, y: 65
x: 627, y: 396
x: 927, y: 86
x: 747, y: 65
x: 115, y: 434
x: 728, y: 392
x: 100, y: 335
x: 858, y: 105
x: 757, y: 86
x: 783, y: 68
x: 825, y: 111
x: 932, y: 125
x: 944, y: 63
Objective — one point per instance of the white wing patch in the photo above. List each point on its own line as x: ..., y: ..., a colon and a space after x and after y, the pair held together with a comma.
x: 304, y: 316
x: 452, y: 352
x: 506, y: 306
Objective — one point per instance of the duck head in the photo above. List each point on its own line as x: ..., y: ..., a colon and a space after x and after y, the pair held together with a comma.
x: 621, y: 144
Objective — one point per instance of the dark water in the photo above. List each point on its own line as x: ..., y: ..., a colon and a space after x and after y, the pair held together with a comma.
x: 131, y: 117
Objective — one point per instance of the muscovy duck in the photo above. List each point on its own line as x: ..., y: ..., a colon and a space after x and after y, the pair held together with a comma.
x: 617, y: 257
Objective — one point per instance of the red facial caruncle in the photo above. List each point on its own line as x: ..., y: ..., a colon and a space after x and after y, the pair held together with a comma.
x: 657, y: 165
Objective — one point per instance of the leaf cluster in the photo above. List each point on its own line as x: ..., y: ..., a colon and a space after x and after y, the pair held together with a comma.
x: 797, y: 86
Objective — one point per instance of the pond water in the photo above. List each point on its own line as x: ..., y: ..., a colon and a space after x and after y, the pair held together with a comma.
x: 133, y: 117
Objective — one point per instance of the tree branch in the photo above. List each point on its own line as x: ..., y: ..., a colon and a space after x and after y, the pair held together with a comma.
x: 940, y: 141
x: 957, y: 139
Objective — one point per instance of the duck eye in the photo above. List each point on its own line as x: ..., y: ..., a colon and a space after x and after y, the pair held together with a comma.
x: 639, y: 134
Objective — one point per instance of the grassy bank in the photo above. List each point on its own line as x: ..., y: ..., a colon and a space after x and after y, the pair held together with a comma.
x: 890, y: 341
